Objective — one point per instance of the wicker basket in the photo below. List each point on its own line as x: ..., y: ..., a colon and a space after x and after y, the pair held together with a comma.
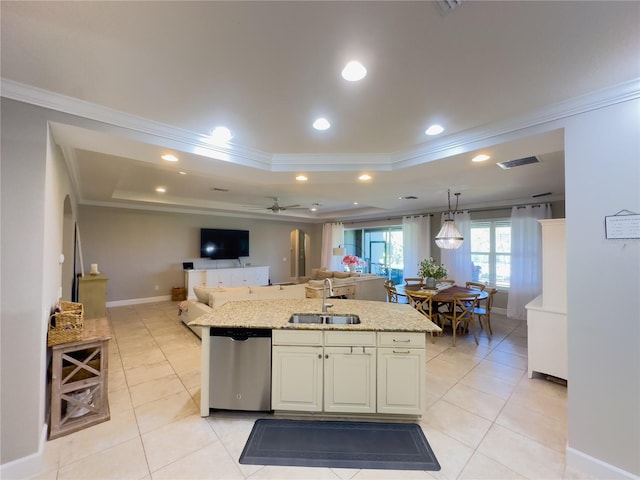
x: 178, y: 294
x: 67, y: 325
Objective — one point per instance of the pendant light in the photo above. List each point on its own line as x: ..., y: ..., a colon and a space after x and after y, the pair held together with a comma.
x: 449, y: 237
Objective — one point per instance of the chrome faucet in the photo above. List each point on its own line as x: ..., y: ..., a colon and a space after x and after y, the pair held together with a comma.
x: 326, y: 305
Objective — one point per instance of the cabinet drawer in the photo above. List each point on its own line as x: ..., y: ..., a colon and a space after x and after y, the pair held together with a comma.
x: 336, y: 338
x: 297, y: 337
x: 401, y: 339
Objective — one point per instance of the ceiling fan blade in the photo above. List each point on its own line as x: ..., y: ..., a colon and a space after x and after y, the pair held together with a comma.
x: 290, y: 206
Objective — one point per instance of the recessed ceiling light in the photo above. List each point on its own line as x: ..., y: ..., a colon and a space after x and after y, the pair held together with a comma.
x: 364, y: 177
x: 169, y: 158
x: 314, y: 209
x: 182, y: 173
x: 221, y: 135
x: 302, y: 178
x: 480, y: 158
x: 161, y: 189
x: 434, y: 130
x: 354, y: 71
x: 356, y: 203
x: 321, y: 124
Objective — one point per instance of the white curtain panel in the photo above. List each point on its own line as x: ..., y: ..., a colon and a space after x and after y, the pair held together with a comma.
x: 458, y: 261
x: 416, y: 242
x: 526, y: 257
x: 332, y: 236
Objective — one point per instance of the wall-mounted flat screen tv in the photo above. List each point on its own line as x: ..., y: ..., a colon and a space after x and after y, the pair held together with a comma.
x: 219, y: 244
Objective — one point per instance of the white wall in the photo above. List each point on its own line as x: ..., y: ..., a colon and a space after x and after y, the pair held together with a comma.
x: 602, y: 169
x: 34, y: 185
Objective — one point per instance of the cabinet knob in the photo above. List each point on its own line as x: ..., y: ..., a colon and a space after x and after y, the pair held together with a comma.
x: 319, y: 355
x: 326, y: 356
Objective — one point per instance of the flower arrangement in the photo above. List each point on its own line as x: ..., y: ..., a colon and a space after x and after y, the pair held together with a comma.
x: 352, y: 260
x: 428, y: 268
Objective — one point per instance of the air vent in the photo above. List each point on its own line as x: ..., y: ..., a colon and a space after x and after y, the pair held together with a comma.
x: 447, y: 6
x: 538, y: 195
x: 517, y: 163
x: 217, y: 189
x: 409, y: 197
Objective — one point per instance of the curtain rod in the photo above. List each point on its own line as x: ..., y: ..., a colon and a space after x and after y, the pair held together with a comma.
x: 470, y: 210
x: 388, y: 218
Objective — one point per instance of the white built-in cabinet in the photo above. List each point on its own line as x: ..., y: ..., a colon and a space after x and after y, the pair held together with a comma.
x: 401, y: 361
x: 547, y: 313
x: 225, y: 277
x: 340, y: 372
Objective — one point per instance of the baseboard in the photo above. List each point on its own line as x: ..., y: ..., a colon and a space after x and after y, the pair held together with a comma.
x: 26, y: 467
x: 136, y: 301
x: 595, y: 468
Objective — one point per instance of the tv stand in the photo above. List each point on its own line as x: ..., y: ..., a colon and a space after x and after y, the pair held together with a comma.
x: 225, y: 277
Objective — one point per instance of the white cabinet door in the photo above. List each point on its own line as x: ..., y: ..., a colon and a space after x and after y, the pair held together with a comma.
x: 261, y: 275
x: 296, y: 382
x: 212, y: 278
x: 350, y: 379
x: 194, y: 278
x: 224, y: 278
x: 401, y: 376
x: 235, y: 277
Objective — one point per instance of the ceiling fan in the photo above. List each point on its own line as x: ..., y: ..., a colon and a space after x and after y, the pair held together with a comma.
x: 277, y: 208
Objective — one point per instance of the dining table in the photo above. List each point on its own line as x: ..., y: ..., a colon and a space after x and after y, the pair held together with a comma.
x: 445, y: 293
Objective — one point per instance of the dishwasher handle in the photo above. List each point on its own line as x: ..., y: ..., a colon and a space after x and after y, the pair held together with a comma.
x: 240, y: 334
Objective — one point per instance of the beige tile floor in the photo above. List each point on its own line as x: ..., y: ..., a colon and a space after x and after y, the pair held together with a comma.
x: 484, y: 418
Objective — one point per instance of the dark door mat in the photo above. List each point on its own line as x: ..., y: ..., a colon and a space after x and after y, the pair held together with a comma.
x: 372, y: 445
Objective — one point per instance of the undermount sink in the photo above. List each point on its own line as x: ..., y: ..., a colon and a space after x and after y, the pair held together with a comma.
x: 326, y: 318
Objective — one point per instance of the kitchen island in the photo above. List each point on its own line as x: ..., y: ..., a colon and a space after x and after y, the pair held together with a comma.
x: 375, y: 367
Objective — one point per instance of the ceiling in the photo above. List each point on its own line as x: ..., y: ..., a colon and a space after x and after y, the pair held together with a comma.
x: 144, y: 79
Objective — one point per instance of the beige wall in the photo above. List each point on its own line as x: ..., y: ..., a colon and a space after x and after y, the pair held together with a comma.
x: 139, y: 249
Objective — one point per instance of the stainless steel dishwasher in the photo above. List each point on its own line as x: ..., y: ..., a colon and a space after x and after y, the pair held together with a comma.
x: 240, y: 370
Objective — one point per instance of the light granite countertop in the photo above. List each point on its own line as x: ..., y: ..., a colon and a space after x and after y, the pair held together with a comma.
x: 274, y: 314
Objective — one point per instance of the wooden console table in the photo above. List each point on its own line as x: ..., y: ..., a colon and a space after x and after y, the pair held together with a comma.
x: 346, y: 291
x: 79, y: 373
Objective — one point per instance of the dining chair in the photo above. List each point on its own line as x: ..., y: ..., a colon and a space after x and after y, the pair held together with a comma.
x: 462, y: 315
x: 392, y: 294
x: 413, y: 281
x: 484, y: 312
x: 476, y: 286
x: 422, y: 301
x: 447, y: 280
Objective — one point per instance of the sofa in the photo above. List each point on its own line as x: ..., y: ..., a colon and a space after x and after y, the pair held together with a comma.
x: 208, y: 298
x: 368, y: 287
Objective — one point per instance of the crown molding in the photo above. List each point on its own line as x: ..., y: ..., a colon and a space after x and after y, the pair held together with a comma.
x: 191, y: 141
x: 534, y: 122
x: 537, y: 121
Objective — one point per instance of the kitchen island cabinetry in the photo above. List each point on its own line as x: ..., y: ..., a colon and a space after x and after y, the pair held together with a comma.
x: 401, y: 360
x: 347, y: 372
x: 373, y: 367
x: 296, y: 382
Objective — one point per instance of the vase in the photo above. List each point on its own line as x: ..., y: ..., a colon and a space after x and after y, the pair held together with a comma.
x: 431, y: 282
x: 352, y: 267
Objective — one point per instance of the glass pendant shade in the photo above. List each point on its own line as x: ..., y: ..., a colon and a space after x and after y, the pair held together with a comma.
x: 449, y: 237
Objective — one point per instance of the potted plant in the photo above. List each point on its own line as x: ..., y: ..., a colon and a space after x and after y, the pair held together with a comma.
x: 431, y: 272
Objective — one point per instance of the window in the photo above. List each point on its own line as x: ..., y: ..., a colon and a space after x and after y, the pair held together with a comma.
x: 491, y: 252
x: 380, y: 248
